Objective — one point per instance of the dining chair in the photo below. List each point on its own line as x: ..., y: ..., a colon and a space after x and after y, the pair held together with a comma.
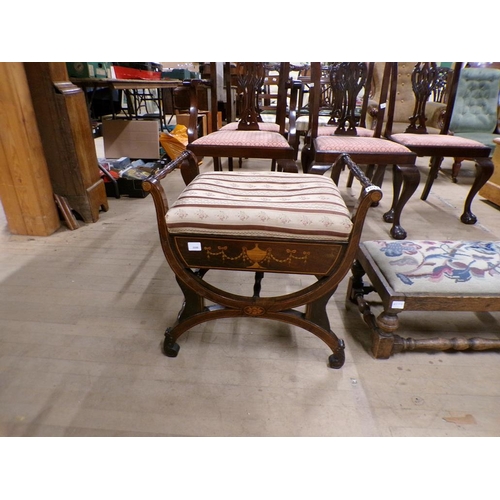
x: 250, y: 137
x: 321, y: 150
x: 437, y: 146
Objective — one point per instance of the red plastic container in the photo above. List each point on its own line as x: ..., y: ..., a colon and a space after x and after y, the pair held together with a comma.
x: 137, y: 71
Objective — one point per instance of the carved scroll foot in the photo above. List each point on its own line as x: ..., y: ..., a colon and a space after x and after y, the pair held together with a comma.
x: 170, y: 347
x: 337, y: 359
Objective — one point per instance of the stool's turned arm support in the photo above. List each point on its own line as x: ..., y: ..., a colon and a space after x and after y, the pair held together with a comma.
x: 188, y: 164
x: 369, y: 194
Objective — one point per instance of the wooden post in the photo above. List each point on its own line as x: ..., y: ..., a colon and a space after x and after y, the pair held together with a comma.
x: 66, y: 134
x: 25, y: 187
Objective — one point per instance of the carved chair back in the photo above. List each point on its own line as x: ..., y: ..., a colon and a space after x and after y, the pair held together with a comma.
x: 347, y: 80
x: 253, y: 82
x: 349, y: 83
x: 426, y: 78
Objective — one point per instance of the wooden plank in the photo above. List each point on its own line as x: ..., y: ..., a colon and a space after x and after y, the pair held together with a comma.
x: 25, y: 188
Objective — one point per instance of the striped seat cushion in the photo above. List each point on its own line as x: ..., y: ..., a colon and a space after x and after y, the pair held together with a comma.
x: 240, y: 138
x: 261, y: 205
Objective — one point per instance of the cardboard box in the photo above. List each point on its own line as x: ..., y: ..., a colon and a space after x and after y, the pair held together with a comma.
x: 137, y: 139
x: 89, y: 69
x: 206, y: 121
x: 183, y: 119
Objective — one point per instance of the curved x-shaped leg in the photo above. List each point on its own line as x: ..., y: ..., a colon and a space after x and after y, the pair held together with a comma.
x: 314, y: 320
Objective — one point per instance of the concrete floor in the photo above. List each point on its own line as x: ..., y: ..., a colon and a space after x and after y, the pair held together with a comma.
x: 82, y: 316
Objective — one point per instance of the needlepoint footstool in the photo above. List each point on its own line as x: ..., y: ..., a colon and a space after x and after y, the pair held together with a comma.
x: 424, y: 275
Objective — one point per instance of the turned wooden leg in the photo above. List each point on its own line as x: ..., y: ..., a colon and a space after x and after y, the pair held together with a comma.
x: 383, y: 336
x: 409, y: 177
x: 484, y: 170
x: 356, y: 284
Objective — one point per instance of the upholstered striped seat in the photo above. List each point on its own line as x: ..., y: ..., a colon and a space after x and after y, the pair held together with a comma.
x: 261, y: 205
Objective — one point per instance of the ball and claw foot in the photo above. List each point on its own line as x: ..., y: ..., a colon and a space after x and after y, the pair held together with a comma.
x: 468, y: 218
x: 170, y: 347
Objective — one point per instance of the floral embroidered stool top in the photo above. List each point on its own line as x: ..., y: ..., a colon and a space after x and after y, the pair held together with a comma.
x: 424, y: 275
x: 441, y: 267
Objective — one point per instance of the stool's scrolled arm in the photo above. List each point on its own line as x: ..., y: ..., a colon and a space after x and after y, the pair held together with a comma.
x: 188, y: 164
x: 370, y: 194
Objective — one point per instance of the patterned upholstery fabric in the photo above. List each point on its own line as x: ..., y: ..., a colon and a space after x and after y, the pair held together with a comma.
x: 264, y: 126
x: 435, y: 140
x: 253, y: 138
x: 439, y: 267
x: 358, y: 145
x: 261, y: 205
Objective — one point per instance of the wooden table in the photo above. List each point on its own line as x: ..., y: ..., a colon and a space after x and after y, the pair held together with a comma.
x: 130, y: 87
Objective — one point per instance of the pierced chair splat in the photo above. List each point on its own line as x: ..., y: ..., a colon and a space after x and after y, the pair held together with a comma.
x: 325, y: 144
x: 259, y: 222
x: 250, y: 137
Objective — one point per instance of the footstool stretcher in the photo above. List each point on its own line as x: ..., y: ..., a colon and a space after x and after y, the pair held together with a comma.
x: 423, y: 275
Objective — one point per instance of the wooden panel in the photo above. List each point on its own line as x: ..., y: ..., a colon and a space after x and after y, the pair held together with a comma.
x: 64, y: 125
x: 259, y: 255
x: 25, y: 188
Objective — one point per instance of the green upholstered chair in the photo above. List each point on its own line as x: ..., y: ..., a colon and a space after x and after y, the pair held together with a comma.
x: 475, y: 114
